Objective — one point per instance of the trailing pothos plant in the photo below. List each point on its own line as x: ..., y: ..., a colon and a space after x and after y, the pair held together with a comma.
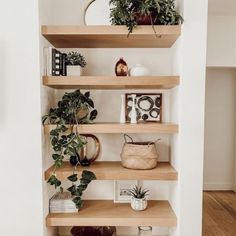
x: 75, y: 108
x: 144, y: 12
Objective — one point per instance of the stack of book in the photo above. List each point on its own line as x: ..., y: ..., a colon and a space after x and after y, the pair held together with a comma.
x: 62, y: 203
x: 55, y: 62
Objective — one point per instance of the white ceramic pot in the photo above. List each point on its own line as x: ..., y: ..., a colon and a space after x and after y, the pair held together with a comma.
x: 74, y: 70
x: 139, y: 204
x: 139, y: 70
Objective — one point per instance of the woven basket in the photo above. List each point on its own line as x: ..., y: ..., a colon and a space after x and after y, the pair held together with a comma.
x: 139, y: 155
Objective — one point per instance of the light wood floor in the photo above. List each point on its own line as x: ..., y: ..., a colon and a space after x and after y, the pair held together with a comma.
x: 219, y: 214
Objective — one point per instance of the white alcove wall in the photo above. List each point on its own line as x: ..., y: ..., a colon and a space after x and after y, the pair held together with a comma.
x: 184, y: 105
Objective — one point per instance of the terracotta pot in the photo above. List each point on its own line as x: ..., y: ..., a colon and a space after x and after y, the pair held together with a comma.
x: 143, y: 20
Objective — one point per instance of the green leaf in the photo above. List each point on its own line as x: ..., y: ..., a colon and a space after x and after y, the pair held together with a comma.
x: 93, y: 114
x: 56, y: 156
x: 58, y: 163
x: 54, y: 132
x: 72, y: 189
x: 88, y: 175
x: 73, y: 178
x: 87, y: 94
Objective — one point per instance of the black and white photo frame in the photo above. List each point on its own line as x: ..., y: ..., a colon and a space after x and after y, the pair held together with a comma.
x: 121, y: 190
x: 148, y: 107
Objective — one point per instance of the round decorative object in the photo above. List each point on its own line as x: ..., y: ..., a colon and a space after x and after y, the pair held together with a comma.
x: 145, y: 117
x: 97, y: 12
x: 145, y: 103
x: 154, y: 113
x: 139, y: 70
x: 139, y: 204
x: 158, y: 102
x: 97, y: 148
x: 121, y: 68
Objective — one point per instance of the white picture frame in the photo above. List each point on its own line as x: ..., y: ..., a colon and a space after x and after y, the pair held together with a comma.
x: 121, y: 188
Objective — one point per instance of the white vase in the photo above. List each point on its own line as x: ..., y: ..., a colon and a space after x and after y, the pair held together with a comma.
x: 139, y: 204
x: 122, y: 110
x: 133, y: 111
x: 139, y: 70
x: 74, y: 70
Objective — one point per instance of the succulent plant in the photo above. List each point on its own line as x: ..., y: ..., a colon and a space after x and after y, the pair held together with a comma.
x: 138, y: 192
x: 76, y: 59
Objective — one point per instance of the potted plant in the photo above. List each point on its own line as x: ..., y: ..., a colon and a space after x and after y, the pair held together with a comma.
x: 139, y: 198
x: 75, y: 63
x: 74, y: 108
x: 144, y: 12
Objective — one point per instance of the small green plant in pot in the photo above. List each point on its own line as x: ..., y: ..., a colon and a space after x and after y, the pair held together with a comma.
x: 139, y: 198
x: 144, y: 12
x: 75, y: 63
x: 73, y: 109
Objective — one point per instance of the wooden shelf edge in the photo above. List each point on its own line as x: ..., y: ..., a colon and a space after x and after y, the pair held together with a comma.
x: 109, y: 30
x: 117, y: 128
x: 111, y: 36
x: 111, y: 82
x: 95, y: 213
x: 114, y: 171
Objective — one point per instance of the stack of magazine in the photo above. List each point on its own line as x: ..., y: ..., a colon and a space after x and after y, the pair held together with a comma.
x: 62, y: 203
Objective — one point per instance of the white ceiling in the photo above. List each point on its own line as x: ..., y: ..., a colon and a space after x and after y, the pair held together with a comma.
x: 222, y: 7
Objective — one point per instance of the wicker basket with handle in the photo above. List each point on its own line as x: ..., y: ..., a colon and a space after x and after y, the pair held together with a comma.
x: 139, y: 155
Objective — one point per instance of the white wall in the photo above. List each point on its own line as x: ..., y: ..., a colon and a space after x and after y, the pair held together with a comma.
x: 220, y: 129
x: 221, y: 49
x: 190, y: 141
x: 20, y: 129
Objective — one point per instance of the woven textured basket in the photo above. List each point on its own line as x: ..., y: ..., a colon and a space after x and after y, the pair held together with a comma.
x: 139, y: 155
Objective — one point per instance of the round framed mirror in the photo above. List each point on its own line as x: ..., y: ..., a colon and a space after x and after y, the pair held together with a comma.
x: 97, y: 12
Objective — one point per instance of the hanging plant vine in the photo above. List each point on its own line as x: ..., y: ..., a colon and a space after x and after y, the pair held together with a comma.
x: 75, y: 108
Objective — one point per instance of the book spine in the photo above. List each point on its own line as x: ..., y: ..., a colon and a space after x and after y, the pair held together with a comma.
x: 57, y: 63
x: 60, y: 63
x: 64, y: 71
x: 49, y: 61
x: 53, y: 61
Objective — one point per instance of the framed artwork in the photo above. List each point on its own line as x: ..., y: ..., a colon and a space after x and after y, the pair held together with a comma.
x: 121, y: 190
x: 148, y: 107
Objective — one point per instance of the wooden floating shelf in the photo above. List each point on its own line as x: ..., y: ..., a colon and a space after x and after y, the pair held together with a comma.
x: 117, y: 128
x: 111, y: 82
x: 114, y: 171
x: 98, y: 213
x: 111, y: 36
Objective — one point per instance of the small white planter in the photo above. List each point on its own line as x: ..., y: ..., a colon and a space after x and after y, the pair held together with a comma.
x: 74, y: 70
x: 139, y: 204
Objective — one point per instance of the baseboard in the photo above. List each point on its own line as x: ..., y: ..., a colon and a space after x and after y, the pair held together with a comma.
x: 218, y: 186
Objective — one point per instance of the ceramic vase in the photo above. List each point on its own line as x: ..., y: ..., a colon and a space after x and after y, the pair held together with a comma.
x: 133, y: 111
x: 144, y: 231
x: 139, y: 70
x: 139, y: 204
x: 121, y: 68
x: 122, y: 110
